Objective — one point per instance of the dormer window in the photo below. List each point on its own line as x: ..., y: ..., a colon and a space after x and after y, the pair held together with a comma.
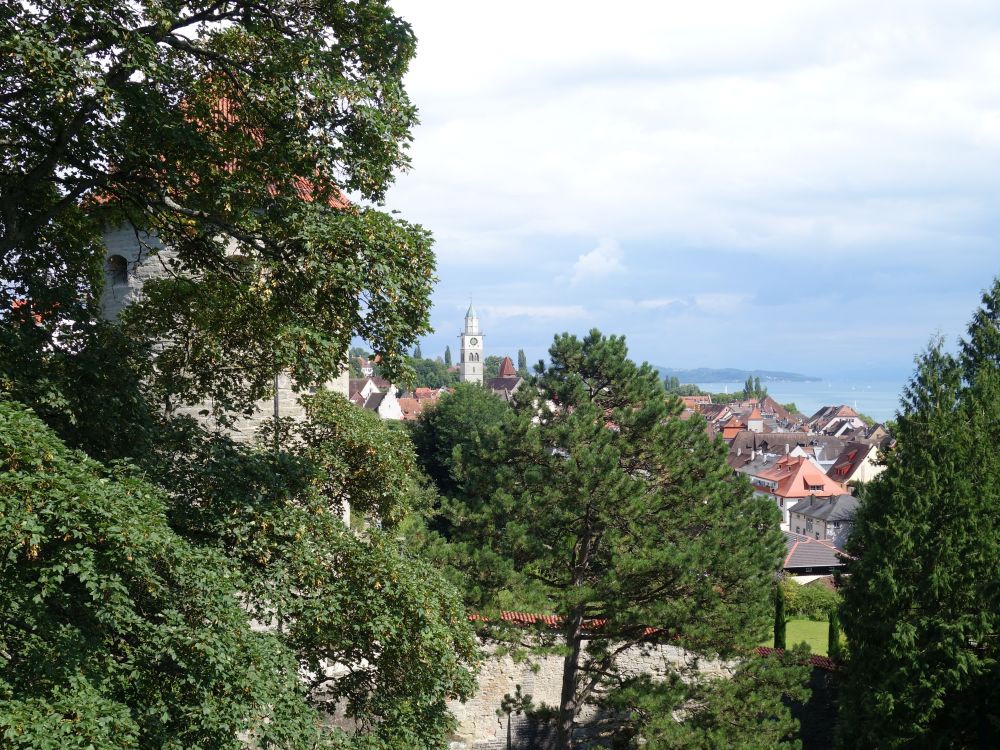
x: 117, y: 270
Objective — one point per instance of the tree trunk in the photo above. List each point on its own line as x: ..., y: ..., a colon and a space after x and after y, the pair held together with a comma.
x: 567, y: 700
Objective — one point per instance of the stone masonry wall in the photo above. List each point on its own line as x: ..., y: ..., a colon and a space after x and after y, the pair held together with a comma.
x: 479, y: 727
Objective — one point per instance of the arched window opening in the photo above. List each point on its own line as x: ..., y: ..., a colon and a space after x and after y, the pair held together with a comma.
x: 118, y: 270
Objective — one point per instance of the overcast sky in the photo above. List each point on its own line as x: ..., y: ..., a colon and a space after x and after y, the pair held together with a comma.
x: 807, y: 186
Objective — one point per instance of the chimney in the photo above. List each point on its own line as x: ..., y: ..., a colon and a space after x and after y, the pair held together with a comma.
x: 786, y: 449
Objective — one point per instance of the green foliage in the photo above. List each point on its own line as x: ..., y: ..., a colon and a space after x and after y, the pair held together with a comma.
x: 921, y: 606
x: 451, y: 430
x: 790, y: 407
x: 752, y: 388
x: 417, y: 353
x: 522, y: 364
x: 780, y: 621
x: 745, y: 712
x: 431, y: 373
x: 201, y: 141
x: 674, y: 387
x: 115, y: 631
x: 833, y: 646
x: 491, y: 367
x: 447, y: 356
x: 597, y: 499
x: 812, y: 601
x: 362, y: 601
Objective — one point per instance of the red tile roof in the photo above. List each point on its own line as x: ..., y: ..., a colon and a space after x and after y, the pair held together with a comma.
x: 797, y: 476
x: 823, y: 662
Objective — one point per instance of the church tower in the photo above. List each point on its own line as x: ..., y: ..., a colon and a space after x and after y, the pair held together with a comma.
x: 470, y: 366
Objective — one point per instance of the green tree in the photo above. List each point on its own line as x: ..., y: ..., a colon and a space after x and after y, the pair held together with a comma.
x: 746, y: 711
x: 429, y: 373
x: 334, y: 597
x: 522, y: 363
x: 780, y: 621
x: 833, y: 646
x: 491, y: 367
x: 921, y: 606
x: 116, y: 632
x: 447, y: 356
x: 417, y: 354
x: 596, y: 499
x: 449, y: 432
x: 212, y: 132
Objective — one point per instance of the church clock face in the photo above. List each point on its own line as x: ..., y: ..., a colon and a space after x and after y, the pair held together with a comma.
x: 473, y: 341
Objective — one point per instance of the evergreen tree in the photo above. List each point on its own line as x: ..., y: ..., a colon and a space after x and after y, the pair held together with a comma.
x: 447, y: 356
x: 522, y: 363
x: 833, y: 649
x: 921, y: 601
x: 780, y: 621
x: 598, y: 500
x: 417, y: 354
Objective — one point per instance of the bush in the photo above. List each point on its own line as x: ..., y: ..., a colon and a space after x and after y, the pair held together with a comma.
x: 814, y: 602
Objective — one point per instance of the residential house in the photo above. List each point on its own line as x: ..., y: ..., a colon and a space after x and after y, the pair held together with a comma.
x: 831, y: 420
x: 825, y: 518
x: 789, y: 479
x: 808, y: 556
x: 823, y: 450
x: 858, y: 462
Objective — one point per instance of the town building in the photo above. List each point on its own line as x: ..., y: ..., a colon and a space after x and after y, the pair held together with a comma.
x: 858, y: 462
x: 808, y: 556
x: 790, y: 479
x: 825, y: 518
x: 507, y: 381
x: 470, y: 363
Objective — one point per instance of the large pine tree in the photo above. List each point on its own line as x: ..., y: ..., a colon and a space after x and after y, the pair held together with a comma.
x: 599, y: 501
x: 922, y: 598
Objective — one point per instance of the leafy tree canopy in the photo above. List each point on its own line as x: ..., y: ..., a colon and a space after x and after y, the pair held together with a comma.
x: 115, y: 631
x: 921, y: 603
x: 226, y: 132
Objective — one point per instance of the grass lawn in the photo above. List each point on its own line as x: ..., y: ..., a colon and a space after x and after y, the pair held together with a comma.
x: 812, y: 632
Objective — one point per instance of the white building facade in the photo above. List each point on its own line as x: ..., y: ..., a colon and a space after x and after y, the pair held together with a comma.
x: 470, y: 365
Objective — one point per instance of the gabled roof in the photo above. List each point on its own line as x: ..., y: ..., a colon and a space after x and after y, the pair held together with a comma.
x: 823, y: 447
x: 850, y: 460
x: 836, y: 508
x: 374, y: 401
x: 805, y: 552
x: 504, y: 387
x: 797, y: 476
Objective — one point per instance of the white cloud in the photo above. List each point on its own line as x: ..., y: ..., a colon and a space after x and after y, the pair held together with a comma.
x: 599, y: 263
x: 548, y: 312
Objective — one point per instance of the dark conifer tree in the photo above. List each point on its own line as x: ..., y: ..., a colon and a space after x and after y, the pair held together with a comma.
x: 780, y: 621
x: 447, y: 356
x: 922, y: 601
x: 522, y: 363
x: 599, y: 501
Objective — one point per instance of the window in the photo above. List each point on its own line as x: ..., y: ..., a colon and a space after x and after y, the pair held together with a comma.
x: 117, y: 270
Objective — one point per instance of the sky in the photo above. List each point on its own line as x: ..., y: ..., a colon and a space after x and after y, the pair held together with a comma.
x: 804, y: 186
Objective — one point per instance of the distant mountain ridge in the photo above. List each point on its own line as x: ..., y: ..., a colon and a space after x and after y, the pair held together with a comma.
x: 733, y: 375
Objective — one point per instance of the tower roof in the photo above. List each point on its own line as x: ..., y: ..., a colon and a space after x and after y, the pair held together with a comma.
x: 471, y: 313
x: 507, y: 368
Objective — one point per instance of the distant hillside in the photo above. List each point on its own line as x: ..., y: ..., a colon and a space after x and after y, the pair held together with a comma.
x: 732, y: 375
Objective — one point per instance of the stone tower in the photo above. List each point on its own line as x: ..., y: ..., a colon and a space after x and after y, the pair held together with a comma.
x: 470, y: 366
x: 131, y: 259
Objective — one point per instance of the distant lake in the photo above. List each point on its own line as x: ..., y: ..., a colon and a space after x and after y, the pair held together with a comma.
x: 878, y: 399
